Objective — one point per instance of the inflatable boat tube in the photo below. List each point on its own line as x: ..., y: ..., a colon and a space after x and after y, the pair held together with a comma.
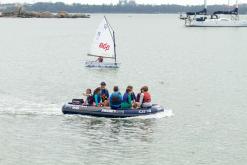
x: 110, y: 113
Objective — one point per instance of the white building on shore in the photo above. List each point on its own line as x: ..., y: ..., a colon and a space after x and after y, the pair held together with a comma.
x: 127, y: 2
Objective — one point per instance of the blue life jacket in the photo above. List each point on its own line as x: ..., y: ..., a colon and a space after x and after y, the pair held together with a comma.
x: 126, y: 98
x: 115, y: 100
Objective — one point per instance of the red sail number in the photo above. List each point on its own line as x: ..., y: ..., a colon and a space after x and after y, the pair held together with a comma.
x: 104, y: 46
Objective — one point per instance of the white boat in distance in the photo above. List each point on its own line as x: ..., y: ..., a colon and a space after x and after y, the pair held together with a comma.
x: 201, y: 19
x: 103, y: 47
x: 219, y: 22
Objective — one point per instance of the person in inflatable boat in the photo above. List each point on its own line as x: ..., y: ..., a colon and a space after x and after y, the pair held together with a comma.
x: 96, y: 97
x: 145, y: 98
x: 89, y: 100
x: 104, y: 93
x: 133, y: 96
x: 139, y: 95
x: 127, y: 100
x: 115, y: 98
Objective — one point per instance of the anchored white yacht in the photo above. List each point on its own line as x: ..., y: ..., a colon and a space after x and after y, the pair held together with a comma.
x: 217, y: 19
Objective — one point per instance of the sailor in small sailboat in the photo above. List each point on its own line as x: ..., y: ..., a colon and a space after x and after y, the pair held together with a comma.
x: 100, y: 59
x: 103, y: 47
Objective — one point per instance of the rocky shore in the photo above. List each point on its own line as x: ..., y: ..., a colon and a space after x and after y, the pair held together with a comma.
x: 20, y: 13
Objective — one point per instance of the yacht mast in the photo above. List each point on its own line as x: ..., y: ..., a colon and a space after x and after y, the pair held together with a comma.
x: 228, y: 5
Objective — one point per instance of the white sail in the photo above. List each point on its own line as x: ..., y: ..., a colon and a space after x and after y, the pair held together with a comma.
x: 103, y: 42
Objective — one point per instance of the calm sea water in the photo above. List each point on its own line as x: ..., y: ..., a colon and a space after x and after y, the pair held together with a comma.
x: 199, y: 73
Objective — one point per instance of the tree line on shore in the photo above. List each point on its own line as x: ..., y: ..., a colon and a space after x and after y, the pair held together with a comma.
x: 84, y: 8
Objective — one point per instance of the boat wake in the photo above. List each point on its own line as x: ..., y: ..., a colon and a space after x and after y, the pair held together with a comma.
x: 166, y: 114
x: 17, y: 106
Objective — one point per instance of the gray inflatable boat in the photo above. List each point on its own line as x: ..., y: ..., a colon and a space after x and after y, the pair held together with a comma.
x: 70, y: 108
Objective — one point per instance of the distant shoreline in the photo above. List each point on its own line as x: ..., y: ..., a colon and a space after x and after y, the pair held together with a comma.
x: 43, y: 8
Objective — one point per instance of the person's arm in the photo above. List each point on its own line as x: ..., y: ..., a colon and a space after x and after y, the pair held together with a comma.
x: 85, y: 94
x: 86, y: 101
x: 96, y: 100
x: 133, y: 97
x: 110, y: 101
x: 141, y: 98
x: 107, y: 93
x: 121, y: 97
x: 129, y: 99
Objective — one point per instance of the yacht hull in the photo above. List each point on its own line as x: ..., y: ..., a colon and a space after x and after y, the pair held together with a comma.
x: 217, y: 23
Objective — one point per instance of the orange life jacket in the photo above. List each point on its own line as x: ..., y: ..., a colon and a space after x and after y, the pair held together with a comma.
x: 147, y: 97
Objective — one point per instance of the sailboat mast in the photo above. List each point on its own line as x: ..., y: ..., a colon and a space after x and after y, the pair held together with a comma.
x: 115, y: 52
x: 205, y: 7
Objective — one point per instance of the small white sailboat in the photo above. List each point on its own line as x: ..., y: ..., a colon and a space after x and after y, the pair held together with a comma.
x: 103, y: 47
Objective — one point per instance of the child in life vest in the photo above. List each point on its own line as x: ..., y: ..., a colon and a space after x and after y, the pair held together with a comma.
x: 145, y: 98
x: 89, y: 99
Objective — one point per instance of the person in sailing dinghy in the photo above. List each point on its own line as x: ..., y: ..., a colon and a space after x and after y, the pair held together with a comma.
x: 100, y: 59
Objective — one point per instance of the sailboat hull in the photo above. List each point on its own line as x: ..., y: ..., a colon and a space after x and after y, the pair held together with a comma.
x: 96, y: 64
x: 217, y: 23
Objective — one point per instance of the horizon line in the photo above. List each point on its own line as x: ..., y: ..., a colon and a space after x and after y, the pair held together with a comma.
x: 31, y: 3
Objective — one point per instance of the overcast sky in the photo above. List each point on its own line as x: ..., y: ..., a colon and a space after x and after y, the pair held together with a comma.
x: 182, y: 2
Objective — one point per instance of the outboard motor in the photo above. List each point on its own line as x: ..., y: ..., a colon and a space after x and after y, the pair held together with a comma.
x: 77, y: 101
